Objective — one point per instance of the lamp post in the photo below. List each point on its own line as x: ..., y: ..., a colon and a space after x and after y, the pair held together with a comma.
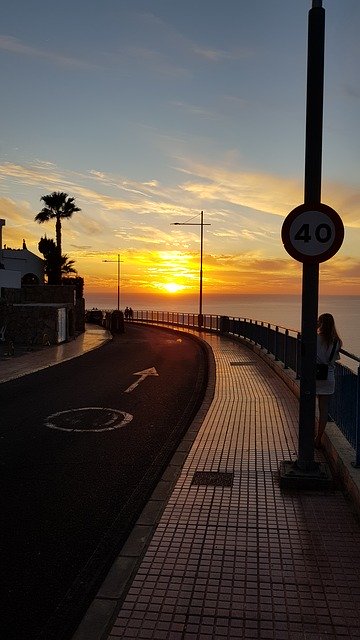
x: 200, y: 224
x: 118, y: 278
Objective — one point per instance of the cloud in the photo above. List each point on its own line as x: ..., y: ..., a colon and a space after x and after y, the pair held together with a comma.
x: 84, y: 247
x: 264, y: 192
x: 260, y: 191
x: 14, y: 45
x: 194, y: 109
x: 220, y: 55
x: 245, y: 210
x: 182, y: 53
x: 209, y: 187
x: 246, y: 234
x: 19, y: 223
x: 154, y: 61
x: 345, y: 199
x: 50, y: 178
x: 32, y: 176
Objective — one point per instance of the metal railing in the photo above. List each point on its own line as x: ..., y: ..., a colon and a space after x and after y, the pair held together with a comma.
x: 284, y: 344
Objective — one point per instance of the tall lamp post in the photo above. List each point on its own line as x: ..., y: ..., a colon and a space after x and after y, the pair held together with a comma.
x: 118, y: 278
x: 200, y: 224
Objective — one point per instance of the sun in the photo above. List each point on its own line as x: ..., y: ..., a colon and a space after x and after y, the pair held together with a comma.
x: 173, y: 287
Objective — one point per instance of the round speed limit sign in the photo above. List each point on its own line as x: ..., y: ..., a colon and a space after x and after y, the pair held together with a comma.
x: 312, y: 234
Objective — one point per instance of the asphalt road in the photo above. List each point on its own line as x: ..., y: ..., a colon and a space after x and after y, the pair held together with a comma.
x: 82, y: 446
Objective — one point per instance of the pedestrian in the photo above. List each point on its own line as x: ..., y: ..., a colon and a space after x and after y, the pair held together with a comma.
x: 131, y: 313
x: 126, y: 313
x: 328, y: 347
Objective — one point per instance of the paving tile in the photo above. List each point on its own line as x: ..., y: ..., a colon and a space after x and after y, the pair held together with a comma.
x: 234, y: 556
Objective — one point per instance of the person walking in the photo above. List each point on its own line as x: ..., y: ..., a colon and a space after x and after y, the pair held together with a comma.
x: 328, y: 347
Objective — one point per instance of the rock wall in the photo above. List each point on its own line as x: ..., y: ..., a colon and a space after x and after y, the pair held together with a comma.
x: 30, y: 314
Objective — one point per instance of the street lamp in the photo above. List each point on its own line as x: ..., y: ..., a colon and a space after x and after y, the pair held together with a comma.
x: 118, y: 278
x: 200, y: 224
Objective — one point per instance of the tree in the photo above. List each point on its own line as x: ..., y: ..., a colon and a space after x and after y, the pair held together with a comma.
x: 67, y: 265
x: 58, y: 205
x: 52, y: 265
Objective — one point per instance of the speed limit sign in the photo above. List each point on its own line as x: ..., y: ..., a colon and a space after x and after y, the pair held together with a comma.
x: 312, y: 234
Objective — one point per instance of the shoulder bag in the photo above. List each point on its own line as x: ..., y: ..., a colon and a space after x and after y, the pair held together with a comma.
x: 322, y: 370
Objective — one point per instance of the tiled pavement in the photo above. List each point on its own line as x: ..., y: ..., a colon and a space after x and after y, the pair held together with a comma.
x: 232, y: 555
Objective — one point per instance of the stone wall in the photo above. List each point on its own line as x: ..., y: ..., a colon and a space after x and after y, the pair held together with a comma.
x: 41, y: 294
x: 31, y: 325
x: 30, y: 313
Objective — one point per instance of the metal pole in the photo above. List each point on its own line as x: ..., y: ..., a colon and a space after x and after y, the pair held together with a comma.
x: 201, y: 258
x: 118, y: 282
x: 118, y: 278
x: 312, y: 197
x: 201, y: 224
x: 357, y: 420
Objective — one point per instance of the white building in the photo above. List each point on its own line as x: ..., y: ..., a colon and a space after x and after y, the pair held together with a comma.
x: 19, y: 266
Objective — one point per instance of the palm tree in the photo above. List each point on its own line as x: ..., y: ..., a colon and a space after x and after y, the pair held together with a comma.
x: 58, y: 205
x: 67, y: 265
x: 52, y: 267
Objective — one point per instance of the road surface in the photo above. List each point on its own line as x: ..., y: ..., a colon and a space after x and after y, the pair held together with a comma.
x: 83, y: 444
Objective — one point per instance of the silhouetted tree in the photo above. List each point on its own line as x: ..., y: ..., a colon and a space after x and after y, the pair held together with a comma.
x: 53, y: 265
x: 67, y: 265
x: 58, y: 205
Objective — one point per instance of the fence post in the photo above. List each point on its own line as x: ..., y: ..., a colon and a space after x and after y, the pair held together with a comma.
x: 286, y: 348
x: 357, y: 423
x: 276, y: 343
x: 298, y: 355
x: 268, y: 337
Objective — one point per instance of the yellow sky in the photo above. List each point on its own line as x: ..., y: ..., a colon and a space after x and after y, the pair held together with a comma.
x: 244, y: 213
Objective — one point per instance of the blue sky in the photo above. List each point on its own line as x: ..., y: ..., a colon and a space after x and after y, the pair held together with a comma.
x: 149, y: 111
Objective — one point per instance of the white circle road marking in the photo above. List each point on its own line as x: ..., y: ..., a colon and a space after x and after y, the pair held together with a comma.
x: 103, y: 419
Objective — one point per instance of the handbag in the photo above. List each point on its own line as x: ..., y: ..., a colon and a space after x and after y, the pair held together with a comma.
x: 322, y: 370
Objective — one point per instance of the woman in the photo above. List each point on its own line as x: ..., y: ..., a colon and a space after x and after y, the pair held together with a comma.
x: 328, y: 347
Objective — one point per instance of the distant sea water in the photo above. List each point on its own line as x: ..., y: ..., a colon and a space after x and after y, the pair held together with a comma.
x: 282, y: 310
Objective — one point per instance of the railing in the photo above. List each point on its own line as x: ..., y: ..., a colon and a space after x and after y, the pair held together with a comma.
x: 284, y: 345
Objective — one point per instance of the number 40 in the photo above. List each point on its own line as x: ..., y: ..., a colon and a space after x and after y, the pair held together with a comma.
x: 322, y: 233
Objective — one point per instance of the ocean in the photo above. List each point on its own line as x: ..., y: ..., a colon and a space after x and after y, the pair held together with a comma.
x: 282, y: 310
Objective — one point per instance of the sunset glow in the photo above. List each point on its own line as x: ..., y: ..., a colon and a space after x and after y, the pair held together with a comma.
x: 172, y: 287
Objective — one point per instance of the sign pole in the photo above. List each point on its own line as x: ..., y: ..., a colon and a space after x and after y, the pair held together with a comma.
x: 311, y: 233
x: 312, y: 197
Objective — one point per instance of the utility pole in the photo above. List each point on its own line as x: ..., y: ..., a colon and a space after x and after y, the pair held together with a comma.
x: 200, y: 224
x: 118, y: 278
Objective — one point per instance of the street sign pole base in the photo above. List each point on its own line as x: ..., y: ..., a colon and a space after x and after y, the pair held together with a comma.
x: 293, y: 477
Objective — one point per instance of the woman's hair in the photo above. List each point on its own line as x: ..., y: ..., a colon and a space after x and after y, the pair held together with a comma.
x: 327, y: 329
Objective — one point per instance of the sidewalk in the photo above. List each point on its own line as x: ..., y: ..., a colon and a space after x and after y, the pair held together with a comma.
x: 220, y: 551
x: 31, y: 361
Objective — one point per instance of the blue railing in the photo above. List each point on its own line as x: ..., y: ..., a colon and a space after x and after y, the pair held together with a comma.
x: 284, y: 345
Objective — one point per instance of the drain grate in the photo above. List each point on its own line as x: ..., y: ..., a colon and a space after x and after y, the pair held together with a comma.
x: 213, y: 478
x: 244, y: 363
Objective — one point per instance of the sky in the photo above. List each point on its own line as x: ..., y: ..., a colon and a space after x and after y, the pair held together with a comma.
x: 150, y: 111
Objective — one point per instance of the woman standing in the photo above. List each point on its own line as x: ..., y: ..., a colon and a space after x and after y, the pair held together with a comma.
x: 328, y: 347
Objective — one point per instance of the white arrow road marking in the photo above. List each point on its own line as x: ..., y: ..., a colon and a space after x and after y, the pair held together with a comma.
x: 143, y: 374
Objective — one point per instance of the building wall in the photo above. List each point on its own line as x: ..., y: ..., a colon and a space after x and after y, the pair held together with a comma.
x: 24, y: 261
x: 10, y: 278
